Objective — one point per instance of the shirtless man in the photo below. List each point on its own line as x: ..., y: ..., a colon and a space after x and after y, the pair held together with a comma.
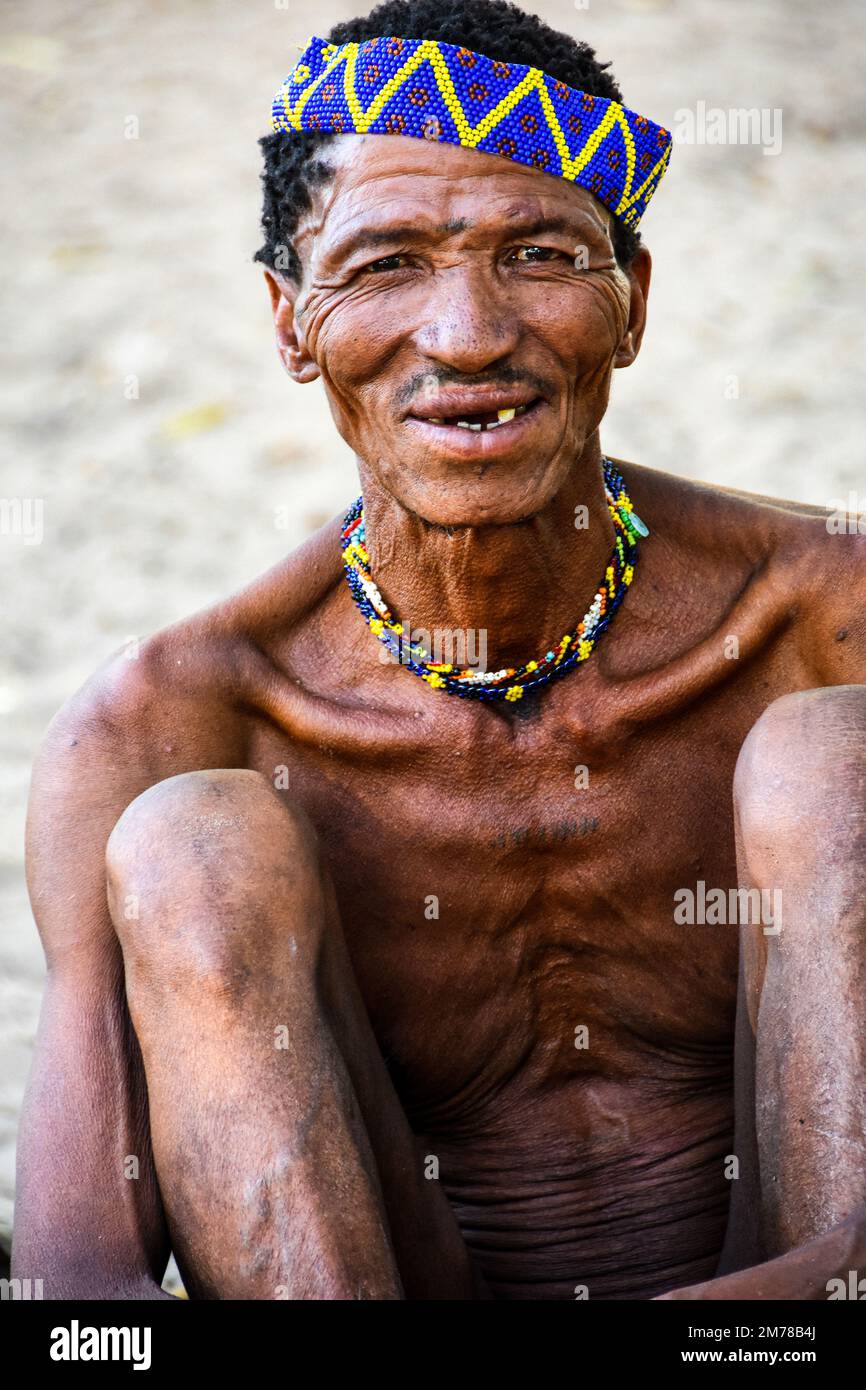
x: 387, y: 997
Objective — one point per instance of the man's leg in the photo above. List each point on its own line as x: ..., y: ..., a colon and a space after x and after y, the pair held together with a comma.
x: 800, y: 802
x: 285, y: 1161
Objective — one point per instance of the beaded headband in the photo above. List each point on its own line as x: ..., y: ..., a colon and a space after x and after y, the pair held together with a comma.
x: 437, y: 91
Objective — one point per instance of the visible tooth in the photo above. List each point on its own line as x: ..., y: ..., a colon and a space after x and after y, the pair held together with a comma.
x: 494, y: 424
x: 436, y: 419
x: 476, y: 427
x: 504, y: 415
x: 463, y: 424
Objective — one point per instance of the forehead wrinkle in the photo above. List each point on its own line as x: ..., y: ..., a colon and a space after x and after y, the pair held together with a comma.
x: 416, y: 159
x: 527, y: 217
x: 351, y: 174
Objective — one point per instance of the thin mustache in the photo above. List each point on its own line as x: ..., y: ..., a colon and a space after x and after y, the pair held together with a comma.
x: 502, y: 378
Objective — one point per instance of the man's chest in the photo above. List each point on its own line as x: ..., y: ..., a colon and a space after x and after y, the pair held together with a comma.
x: 509, y: 900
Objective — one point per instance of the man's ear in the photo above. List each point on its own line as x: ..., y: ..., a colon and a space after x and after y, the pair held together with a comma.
x: 639, y: 274
x: 291, y: 344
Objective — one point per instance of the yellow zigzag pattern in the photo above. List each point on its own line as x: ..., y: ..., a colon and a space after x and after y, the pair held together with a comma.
x: 470, y: 136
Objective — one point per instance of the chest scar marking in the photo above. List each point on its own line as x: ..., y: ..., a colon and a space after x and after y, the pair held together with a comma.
x: 556, y: 833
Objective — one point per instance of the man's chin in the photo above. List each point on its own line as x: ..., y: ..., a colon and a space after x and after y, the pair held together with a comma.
x: 486, y: 504
x: 472, y: 494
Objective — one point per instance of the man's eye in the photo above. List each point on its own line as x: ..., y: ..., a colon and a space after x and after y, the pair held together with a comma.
x: 386, y: 263
x: 530, y: 254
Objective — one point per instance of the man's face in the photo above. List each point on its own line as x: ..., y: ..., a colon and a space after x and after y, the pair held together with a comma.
x: 442, y: 286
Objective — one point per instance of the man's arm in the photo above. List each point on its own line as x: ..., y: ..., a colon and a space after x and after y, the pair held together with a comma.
x: 801, y: 1274
x: 800, y: 1048
x: 88, y: 1215
x: 88, y: 1218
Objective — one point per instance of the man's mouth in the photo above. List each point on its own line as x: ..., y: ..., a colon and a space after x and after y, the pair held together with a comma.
x: 481, y: 420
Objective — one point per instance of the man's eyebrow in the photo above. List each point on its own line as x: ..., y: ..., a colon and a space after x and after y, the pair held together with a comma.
x: 533, y: 226
x: 368, y: 238
x: 371, y: 238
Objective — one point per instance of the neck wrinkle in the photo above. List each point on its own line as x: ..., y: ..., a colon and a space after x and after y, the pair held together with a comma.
x: 523, y: 585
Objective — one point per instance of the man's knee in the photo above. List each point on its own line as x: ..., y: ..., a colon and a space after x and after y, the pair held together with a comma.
x: 800, y: 780
x: 211, y: 872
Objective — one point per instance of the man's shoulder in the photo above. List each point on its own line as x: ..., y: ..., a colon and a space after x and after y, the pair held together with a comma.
x: 820, y: 539
x: 193, y: 681
x: 813, y: 557
x: 677, y: 491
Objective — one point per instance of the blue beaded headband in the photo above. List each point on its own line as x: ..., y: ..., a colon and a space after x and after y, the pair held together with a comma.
x: 437, y: 91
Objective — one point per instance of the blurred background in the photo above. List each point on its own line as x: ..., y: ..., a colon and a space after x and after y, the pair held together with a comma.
x: 143, y: 402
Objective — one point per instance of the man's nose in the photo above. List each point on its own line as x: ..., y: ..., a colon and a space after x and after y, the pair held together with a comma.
x: 469, y: 322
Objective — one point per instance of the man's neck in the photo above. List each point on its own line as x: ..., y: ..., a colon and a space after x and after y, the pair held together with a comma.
x: 522, y: 585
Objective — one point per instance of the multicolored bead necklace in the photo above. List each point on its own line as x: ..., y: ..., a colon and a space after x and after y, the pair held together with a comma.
x: 511, y: 683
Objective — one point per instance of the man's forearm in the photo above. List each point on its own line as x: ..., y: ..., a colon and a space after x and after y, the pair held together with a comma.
x: 803, y: 1273
x: 68, y: 1277
x: 145, y: 1290
x: 110, y: 1290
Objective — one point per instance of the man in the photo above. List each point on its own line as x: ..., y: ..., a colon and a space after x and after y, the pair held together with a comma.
x: 391, y: 993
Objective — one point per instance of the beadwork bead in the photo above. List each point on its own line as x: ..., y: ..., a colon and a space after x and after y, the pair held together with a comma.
x: 532, y: 112
x: 508, y: 683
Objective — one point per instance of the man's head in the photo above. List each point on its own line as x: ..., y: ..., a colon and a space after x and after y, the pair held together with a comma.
x: 425, y: 281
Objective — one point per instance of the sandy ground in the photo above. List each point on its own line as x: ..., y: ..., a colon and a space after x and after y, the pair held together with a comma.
x: 130, y: 265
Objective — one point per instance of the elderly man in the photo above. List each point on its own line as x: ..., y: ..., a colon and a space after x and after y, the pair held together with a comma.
x: 427, y: 976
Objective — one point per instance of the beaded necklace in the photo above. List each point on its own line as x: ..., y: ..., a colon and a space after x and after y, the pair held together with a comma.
x: 513, y: 682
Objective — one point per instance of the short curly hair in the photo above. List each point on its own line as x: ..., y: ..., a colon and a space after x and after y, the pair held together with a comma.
x: 495, y: 27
